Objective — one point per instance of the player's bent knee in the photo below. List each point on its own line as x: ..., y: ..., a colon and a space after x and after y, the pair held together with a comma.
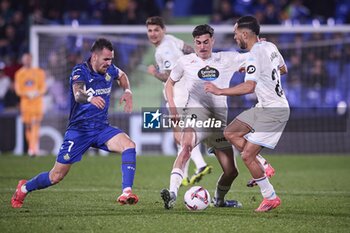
x: 130, y: 144
x: 247, y: 158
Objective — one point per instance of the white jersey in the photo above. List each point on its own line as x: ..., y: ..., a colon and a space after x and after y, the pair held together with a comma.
x: 262, y: 66
x: 167, y: 53
x: 218, y: 69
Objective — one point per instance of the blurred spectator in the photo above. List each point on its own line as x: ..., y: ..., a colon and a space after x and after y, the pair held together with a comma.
x: 5, y: 83
x: 297, y: 12
x: 11, y: 99
x: 223, y: 13
x: 111, y: 15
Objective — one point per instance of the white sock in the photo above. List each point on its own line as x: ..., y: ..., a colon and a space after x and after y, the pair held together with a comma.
x: 197, y: 157
x: 266, y: 188
x: 127, y: 190
x: 176, y: 177
x: 221, y: 191
x: 24, y: 189
x: 262, y: 160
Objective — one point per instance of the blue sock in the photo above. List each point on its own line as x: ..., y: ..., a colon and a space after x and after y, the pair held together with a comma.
x: 41, y: 181
x: 128, y: 167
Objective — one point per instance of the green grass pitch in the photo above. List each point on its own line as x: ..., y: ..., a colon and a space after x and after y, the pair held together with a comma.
x: 315, y: 193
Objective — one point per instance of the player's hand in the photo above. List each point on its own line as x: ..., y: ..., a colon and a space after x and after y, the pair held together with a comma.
x: 211, y: 88
x: 98, y: 101
x: 152, y: 70
x: 127, y: 98
x: 241, y: 69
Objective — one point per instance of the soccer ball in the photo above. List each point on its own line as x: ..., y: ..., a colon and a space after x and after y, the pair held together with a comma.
x: 197, y: 198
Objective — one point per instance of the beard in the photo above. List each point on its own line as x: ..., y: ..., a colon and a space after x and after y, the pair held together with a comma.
x: 242, y: 44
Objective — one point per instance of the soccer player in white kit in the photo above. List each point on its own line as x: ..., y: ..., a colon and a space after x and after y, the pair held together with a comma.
x: 261, y: 126
x: 168, y: 50
x: 195, y: 69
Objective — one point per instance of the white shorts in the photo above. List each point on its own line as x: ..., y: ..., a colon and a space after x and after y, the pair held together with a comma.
x: 266, y: 125
x: 211, y: 137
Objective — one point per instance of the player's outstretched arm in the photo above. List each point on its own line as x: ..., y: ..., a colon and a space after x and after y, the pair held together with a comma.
x: 169, y: 92
x: 241, y: 89
x: 152, y: 70
x: 127, y: 95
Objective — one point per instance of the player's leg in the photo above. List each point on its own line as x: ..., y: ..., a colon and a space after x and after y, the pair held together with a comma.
x: 185, y: 180
x: 41, y: 181
x: 201, y: 165
x: 27, y: 130
x: 269, y: 170
x: 177, y: 138
x: 187, y: 143
x: 70, y: 152
x: 36, y: 131
x: 28, y: 135
x: 230, y: 172
x: 271, y: 200
x: 122, y: 143
x: 234, y: 133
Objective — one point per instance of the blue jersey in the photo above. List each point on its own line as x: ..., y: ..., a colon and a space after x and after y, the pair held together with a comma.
x: 87, y: 116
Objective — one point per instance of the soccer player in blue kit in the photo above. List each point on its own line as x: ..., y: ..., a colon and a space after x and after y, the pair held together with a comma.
x: 91, y: 84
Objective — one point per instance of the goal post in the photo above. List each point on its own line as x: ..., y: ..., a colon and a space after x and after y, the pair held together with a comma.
x: 317, y: 57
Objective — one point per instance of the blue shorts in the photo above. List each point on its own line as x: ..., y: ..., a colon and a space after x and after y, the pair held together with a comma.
x: 77, y: 142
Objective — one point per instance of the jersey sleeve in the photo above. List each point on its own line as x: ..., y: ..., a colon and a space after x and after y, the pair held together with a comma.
x: 179, y: 43
x: 252, y: 68
x: 78, y: 74
x: 177, y: 72
x: 115, y: 72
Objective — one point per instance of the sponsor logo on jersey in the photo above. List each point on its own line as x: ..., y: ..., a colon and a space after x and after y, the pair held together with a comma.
x: 167, y: 64
x: 251, y: 69
x: 107, y: 77
x: 208, y: 73
x: 102, y: 91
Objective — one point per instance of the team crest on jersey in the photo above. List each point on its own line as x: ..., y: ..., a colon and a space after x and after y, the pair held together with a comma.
x: 107, y: 77
x: 66, y: 157
x: 167, y: 64
x: 251, y: 69
x: 208, y: 73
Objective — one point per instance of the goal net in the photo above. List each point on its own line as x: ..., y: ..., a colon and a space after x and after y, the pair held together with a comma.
x: 316, y: 86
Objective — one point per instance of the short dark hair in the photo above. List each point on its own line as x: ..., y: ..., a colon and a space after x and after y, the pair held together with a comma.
x: 100, y: 44
x: 155, y: 20
x: 203, y: 29
x: 249, y: 22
